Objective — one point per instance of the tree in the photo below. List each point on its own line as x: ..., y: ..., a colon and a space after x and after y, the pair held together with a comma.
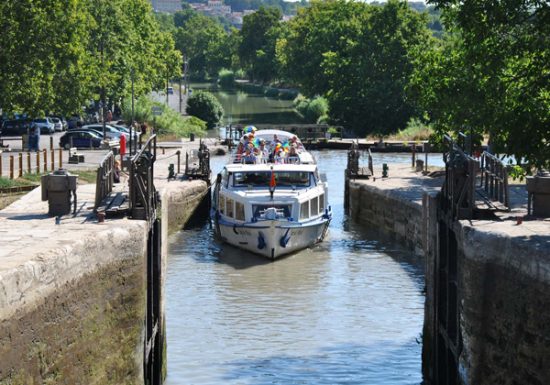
x: 493, y: 75
x: 205, y: 106
x: 360, y: 57
x: 199, y: 37
x: 258, y: 40
x: 324, y: 27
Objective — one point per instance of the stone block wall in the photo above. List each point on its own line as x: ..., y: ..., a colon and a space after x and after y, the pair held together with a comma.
x: 389, y: 212
x: 505, y: 297
x: 75, y: 315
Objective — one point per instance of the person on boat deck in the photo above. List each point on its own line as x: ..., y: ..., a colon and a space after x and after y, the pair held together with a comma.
x: 293, y: 154
x: 264, y: 152
x: 280, y: 157
x: 249, y: 157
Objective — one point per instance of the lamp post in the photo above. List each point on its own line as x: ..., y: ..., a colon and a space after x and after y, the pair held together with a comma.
x: 132, y: 119
x: 179, y: 91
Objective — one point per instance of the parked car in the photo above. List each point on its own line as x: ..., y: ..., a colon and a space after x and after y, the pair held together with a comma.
x: 44, y: 124
x: 64, y: 123
x: 82, y: 138
x: 58, y: 126
x: 75, y: 122
x: 15, y: 127
x: 110, y: 131
x: 126, y: 130
x: 170, y: 90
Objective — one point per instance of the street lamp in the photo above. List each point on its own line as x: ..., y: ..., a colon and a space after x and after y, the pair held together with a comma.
x: 179, y: 91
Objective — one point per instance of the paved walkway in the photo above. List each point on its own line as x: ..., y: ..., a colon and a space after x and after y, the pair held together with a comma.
x: 410, y: 186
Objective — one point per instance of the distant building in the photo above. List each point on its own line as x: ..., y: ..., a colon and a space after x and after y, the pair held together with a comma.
x: 170, y: 6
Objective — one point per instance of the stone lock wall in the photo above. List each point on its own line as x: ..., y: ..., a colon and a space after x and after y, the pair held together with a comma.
x: 389, y: 212
x: 75, y: 315
x: 504, y: 286
x: 505, y: 309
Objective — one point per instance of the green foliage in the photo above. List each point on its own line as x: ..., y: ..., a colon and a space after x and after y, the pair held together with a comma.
x: 58, y: 55
x: 312, y: 110
x: 226, y: 78
x: 360, y: 57
x: 491, y: 75
x: 204, y: 43
x: 415, y: 130
x: 257, y: 46
x: 205, y: 106
x: 169, y: 122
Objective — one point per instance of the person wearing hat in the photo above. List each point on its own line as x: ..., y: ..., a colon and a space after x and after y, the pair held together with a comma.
x: 264, y: 152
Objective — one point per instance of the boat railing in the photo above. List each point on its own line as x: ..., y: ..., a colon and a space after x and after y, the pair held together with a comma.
x: 237, y: 158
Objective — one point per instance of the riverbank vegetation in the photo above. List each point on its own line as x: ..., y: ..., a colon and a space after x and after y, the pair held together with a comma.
x: 58, y: 56
x: 480, y: 67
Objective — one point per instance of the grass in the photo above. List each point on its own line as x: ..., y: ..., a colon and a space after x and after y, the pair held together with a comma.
x: 84, y: 176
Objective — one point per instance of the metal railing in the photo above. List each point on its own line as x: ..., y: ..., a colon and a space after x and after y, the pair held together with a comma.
x: 458, y: 191
x: 142, y: 192
x: 104, y: 179
x: 493, y: 179
x: 203, y: 169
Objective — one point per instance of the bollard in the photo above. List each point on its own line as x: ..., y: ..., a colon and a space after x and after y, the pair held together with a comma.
x: 11, y: 166
x: 52, y: 159
x: 385, y: 170
x: 28, y: 162
x: 179, y: 155
x: 51, y: 142
x: 413, y: 151
x: 162, y: 150
x: 45, y: 161
x: 0, y: 165
x: 60, y: 158
x: 38, y: 162
x: 20, y: 164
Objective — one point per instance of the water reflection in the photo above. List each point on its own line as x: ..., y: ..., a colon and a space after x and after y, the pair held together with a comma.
x: 348, y: 311
x: 250, y: 108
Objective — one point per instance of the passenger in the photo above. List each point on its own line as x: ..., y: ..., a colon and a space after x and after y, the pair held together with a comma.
x: 293, y: 154
x: 263, y: 151
x: 249, y: 157
x: 280, y: 156
x: 116, y: 172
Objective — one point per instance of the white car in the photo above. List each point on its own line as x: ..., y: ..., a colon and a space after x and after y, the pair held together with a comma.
x: 44, y: 124
x: 58, y: 125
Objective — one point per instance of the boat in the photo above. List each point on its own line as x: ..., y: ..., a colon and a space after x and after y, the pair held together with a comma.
x: 270, y: 199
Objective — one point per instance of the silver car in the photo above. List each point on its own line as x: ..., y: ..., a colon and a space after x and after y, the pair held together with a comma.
x: 45, y: 125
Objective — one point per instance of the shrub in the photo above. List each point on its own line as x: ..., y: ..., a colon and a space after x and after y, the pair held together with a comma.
x: 312, y: 110
x: 226, y: 78
x: 205, y: 106
x: 169, y: 122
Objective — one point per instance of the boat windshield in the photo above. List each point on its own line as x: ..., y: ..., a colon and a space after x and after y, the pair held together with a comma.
x: 263, y: 179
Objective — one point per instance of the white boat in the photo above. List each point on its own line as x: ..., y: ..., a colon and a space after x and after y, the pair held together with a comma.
x: 271, y: 206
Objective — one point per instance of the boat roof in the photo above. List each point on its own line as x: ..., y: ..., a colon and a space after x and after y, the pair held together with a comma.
x: 268, y: 135
x: 239, y: 167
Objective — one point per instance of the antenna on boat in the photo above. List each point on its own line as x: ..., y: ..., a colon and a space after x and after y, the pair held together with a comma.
x: 272, y: 183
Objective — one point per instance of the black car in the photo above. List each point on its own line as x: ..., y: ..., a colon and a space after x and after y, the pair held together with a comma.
x: 79, y: 138
x: 15, y: 127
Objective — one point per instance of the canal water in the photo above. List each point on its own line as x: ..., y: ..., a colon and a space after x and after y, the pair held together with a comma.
x: 347, y: 311
x: 250, y: 108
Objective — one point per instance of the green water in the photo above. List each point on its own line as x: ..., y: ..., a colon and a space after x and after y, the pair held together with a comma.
x: 250, y: 108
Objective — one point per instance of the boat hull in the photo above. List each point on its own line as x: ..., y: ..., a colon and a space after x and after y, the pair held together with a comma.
x: 274, y: 238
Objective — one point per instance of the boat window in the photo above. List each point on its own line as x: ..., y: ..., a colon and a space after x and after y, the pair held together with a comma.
x: 283, y: 210
x: 263, y: 178
x: 239, y: 211
x: 314, y: 206
x: 304, y: 210
x: 222, y: 204
x: 229, y: 207
x: 322, y: 202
